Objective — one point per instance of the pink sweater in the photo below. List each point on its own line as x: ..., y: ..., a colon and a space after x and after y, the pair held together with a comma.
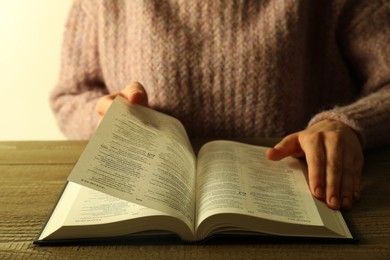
x: 231, y: 68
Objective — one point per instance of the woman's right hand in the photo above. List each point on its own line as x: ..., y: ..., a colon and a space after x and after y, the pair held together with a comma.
x: 134, y: 93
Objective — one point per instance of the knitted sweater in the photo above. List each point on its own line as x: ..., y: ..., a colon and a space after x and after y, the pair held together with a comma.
x: 231, y: 68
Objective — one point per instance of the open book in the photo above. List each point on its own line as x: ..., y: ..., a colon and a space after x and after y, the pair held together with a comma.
x: 139, y: 175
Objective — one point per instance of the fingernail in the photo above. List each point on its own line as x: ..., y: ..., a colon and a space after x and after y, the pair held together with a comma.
x: 334, y: 202
x: 277, y: 146
x: 356, y: 196
x: 319, y: 193
x: 134, y: 92
x: 347, y: 203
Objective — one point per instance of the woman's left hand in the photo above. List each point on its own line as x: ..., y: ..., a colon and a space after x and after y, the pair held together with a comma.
x: 334, y: 157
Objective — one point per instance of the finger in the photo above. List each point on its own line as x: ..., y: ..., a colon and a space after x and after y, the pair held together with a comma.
x: 286, y: 147
x: 136, y: 94
x: 312, y: 145
x: 100, y: 120
x: 334, y: 169
x: 347, y: 181
x: 103, y: 104
x: 358, y: 163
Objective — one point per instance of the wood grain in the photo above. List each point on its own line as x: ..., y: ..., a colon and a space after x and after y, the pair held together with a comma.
x: 32, y: 175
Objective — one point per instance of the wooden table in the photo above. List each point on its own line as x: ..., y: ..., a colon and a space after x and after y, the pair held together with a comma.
x: 32, y: 175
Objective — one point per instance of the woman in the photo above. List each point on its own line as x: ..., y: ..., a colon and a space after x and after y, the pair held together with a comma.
x: 316, y: 72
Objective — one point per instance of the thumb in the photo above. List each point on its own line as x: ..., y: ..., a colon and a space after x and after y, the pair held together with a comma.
x: 288, y: 146
x: 136, y: 94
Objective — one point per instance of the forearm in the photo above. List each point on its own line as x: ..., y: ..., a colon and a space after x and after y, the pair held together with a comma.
x: 80, y: 83
x: 364, y: 40
x: 76, y: 116
x: 368, y: 116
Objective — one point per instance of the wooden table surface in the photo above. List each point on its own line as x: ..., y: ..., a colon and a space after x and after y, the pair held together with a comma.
x: 32, y: 175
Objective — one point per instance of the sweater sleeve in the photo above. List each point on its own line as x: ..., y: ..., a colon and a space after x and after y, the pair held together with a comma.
x: 80, y: 83
x: 365, y: 41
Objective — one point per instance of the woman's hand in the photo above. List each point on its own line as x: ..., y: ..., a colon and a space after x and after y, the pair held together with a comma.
x: 334, y: 156
x: 135, y: 93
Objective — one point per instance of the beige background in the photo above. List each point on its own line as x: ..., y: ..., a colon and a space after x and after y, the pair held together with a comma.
x: 31, y: 33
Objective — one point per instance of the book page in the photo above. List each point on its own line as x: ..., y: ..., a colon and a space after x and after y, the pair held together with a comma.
x: 238, y: 178
x: 141, y: 156
x: 82, y: 212
x: 81, y: 206
x: 94, y: 207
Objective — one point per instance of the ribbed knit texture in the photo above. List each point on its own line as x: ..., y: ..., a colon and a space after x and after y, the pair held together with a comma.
x: 231, y: 68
